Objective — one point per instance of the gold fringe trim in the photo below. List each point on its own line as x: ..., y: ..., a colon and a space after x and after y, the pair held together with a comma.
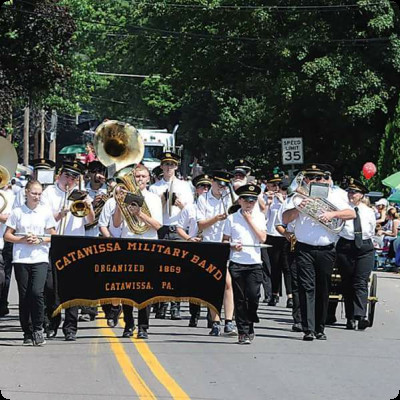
x: 129, y: 302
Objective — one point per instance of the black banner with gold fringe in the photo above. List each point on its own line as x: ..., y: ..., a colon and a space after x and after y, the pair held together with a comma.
x: 91, y: 271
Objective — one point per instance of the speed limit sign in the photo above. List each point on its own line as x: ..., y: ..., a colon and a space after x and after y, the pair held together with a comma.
x: 292, y: 151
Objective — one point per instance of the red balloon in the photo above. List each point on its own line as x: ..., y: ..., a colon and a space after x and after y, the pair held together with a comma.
x: 369, y: 170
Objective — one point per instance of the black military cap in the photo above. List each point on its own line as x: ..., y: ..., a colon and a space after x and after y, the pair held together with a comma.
x: 242, y: 166
x: 223, y: 177
x: 43, y: 163
x: 157, y: 171
x: 74, y: 167
x: 274, y: 177
x: 318, y: 169
x: 170, y: 157
x: 203, y: 179
x: 355, y: 185
x: 248, y: 191
x: 96, y: 166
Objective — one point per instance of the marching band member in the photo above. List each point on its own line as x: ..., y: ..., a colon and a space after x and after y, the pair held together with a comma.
x: 175, y: 194
x: 355, y: 256
x: 245, y: 229
x: 30, y: 259
x: 315, y: 253
x: 278, y: 253
x: 5, y: 251
x: 187, y: 229
x: 154, y: 222
x: 241, y: 171
x: 56, y: 198
x: 212, y: 211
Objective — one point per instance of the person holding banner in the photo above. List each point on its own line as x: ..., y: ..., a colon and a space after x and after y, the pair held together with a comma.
x: 154, y: 223
x: 246, y: 230
x: 56, y: 198
x: 187, y: 229
x: 175, y: 194
x: 29, y: 228
x: 212, y: 211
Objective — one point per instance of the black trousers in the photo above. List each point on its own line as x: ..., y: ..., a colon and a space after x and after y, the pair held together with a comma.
x: 278, y: 255
x: 2, y: 274
x: 246, y: 284
x: 50, y: 301
x: 314, y: 269
x: 355, y: 266
x: 30, y: 280
x: 266, y: 271
x: 143, y: 317
x: 7, y: 267
x: 296, y: 314
x: 70, y: 324
x: 169, y: 233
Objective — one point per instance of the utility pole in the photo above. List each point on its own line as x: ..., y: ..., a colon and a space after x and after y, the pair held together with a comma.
x: 26, y: 136
x: 42, y: 126
x: 53, y: 135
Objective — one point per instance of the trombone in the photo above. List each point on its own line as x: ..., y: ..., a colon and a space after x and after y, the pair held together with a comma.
x: 63, y: 222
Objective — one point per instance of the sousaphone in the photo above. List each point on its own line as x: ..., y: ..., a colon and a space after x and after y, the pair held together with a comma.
x: 8, y: 166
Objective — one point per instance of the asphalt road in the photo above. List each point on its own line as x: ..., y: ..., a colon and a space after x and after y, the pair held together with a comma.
x: 186, y: 363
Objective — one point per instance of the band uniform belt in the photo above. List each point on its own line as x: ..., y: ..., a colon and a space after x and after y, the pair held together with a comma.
x: 365, y: 241
x: 171, y: 228
x: 306, y: 246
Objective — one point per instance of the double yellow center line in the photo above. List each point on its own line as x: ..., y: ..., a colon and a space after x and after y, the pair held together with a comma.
x: 132, y: 375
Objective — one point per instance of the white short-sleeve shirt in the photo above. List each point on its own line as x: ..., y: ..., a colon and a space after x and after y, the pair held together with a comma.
x: 209, y: 206
x: 155, y: 207
x: 9, y: 198
x: 239, y: 230
x: 106, y: 220
x: 272, y: 216
x: 53, y: 197
x: 368, y: 224
x: 183, y: 191
x: 188, y: 219
x: 24, y: 220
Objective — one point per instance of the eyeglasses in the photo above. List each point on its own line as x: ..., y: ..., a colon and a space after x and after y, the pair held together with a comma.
x: 204, y: 186
x: 169, y: 164
x: 352, y: 191
x: 318, y: 177
x: 249, y: 199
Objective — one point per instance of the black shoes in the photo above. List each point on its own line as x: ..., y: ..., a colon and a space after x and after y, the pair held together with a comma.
x: 320, y: 336
x: 274, y: 300
x: 4, y: 311
x: 193, y: 322
x: 175, y: 314
x: 51, y: 334
x: 128, y: 332
x: 267, y: 299
x: 113, y: 316
x: 308, y: 336
x: 70, y: 337
x: 161, y: 312
x: 38, y: 338
x: 330, y: 320
x: 142, y: 334
x: 297, y: 327
x: 363, y: 323
x: 289, y: 303
x: 351, y: 324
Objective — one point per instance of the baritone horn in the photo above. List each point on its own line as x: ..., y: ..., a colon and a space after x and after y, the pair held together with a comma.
x: 8, y: 166
x: 316, y: 207
x: 120, y: 144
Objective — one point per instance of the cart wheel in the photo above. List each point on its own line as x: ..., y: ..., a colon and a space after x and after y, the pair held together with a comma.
x: 372, y: 299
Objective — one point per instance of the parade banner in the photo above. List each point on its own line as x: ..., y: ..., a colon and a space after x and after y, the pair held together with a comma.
x: 92, y: 270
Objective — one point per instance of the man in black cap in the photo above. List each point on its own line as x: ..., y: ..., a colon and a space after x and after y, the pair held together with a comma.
x: 245, y: 230
x: 278, y: 253
x: 56, y: 197
x: 187, y: 229
x: 175, y: 194
x: 212, y: 211
x: 241, y: 171
x: 355, y: 256
x: 315, y: 250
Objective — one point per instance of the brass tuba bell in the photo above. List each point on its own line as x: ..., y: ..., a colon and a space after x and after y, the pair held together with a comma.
x: 121, y: 144
x: 8, y: 166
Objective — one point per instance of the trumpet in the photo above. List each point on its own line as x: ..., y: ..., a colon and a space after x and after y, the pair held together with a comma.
x: 79, y: 208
